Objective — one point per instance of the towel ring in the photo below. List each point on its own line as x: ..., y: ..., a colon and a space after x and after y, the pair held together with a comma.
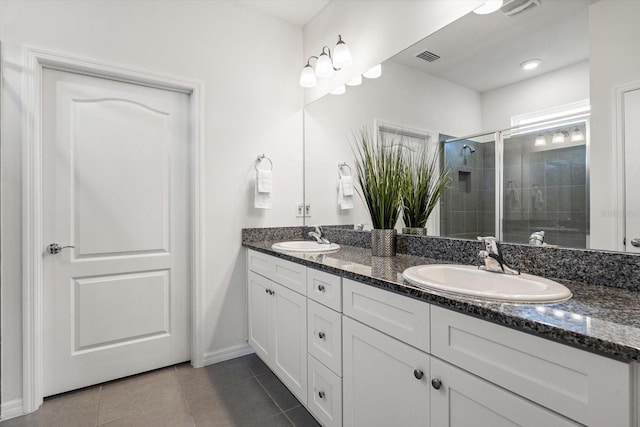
x: 342, y: 165
x: 263, y: 157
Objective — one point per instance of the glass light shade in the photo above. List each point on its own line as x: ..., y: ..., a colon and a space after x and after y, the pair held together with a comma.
x: 558, y: 138
x: 373, y: 72
x: 356, y: 81
x: 540, y: 140
x: 308, y: 77
x: 342, y: 55
x: 530, y: 64
x: 577, y: 135
x: 339, y: 90
x: 488, y: 7
x: 324, y: 66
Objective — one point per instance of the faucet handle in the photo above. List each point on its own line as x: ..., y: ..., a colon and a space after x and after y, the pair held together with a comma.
x: 490, y: 243
x: 318, y: 229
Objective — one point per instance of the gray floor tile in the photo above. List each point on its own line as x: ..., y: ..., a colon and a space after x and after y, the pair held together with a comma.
x: 278, y: 392
x: 140, y: 394
x: 234, y: 405
x: 279, y: 420
x: 300, y: 417
x: 175, y: 414
x: 74, y: 409
x: 198, y: 380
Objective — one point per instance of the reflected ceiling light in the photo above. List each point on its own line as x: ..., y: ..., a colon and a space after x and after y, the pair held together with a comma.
x: 488, y: 7
x: 577, y: 135
x: 530, y: 64
x: 326, y: 64
x: 356, y: 81
x: 559, y: 137
x: 339, y: 90
x: 540, y: 140
x: 373, y: 72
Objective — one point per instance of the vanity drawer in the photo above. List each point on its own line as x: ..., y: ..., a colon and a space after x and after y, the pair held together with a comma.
x: 286, y: 273
x: 324, y: 288
x: 583, y: 386
x: 324, y: 394
x: 324, y: 337
x: 401, y: 317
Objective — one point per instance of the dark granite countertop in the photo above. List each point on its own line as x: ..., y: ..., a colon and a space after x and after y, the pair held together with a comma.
x: 600, y: 319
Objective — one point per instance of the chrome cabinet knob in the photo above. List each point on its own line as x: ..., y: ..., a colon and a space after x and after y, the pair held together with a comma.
x: 435, y: 383
x: 321, y: 288
x: 635, y: 242
x: 418, y: 374
x: 321, y: 394
x: 55, y: 248
x: 321, y: 335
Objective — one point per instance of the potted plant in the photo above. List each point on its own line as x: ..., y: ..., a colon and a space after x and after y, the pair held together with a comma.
x: 422, y: 187
x: 379, y: 166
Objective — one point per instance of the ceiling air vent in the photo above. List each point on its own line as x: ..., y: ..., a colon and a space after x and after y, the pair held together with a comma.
x: 428, y: 56
x: 515, y: 7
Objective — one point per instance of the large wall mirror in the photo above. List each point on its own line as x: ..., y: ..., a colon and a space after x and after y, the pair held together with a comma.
x: 520, y: 143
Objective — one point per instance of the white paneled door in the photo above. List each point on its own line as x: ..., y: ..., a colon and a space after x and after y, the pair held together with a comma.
x: 115, y: 189
x: 631, y: 104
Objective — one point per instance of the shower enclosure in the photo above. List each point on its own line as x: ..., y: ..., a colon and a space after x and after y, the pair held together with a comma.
x: 540, y: 184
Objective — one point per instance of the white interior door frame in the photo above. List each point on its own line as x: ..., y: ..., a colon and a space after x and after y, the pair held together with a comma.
x: 35, y: 61
x: 620, y: 165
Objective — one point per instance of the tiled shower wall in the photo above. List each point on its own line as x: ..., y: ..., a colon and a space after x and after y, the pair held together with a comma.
x: 468, y: 205
x: 544, y: 189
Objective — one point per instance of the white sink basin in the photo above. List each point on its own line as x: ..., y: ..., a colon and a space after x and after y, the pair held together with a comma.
x: 471, y: 281
x: 304, y: 246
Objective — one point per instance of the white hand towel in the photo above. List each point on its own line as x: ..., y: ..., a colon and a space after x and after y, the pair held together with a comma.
x: 345, y: 202
x: 346, y: 181
x: 263, y: 199
x: 265, y: 181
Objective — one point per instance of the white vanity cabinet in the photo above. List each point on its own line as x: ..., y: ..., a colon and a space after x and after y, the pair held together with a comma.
x: 278, y: 322
x: 360, y: 356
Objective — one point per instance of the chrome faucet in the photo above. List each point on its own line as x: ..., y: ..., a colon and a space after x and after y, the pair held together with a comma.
x: 492, y: 257
x: 537, y: 238
x: 318, y: 234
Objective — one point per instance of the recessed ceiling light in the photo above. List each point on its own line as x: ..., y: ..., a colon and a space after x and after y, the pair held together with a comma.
x: 356, y: 81
x: 540, y: 140
x: 530, y: 64
x: 373, y: 72
x: 488, y: 7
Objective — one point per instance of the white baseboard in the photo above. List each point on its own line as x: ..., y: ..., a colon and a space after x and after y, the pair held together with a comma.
x: 226, y: 354
x: 11, y: 409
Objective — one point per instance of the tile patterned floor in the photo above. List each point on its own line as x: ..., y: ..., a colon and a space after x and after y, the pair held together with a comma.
x: 238, y: 392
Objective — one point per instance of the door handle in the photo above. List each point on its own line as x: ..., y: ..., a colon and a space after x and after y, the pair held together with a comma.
x: 55, y: 248
x: 635, y: 242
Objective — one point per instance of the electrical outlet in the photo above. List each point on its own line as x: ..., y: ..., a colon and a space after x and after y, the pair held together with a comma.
x: 307, y: 210
x: 299, y: 210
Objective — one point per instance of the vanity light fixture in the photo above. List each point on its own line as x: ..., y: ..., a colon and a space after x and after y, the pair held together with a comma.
x: 488, y: 7
x: 356, y: 81
x: 339, y: 90
x: 530, y: 64
x: 326, y: 64
x: 559, y: 137
x: 577, y: 135
x: 373, y: 72
x: 540, y: 140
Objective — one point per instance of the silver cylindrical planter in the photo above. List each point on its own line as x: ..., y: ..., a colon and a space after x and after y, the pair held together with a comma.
x: 383, y: 242
x: 414, y: 231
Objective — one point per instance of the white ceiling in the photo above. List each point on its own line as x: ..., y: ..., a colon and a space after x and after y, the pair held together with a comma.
x: 297, y: 12
x: 484, y: 52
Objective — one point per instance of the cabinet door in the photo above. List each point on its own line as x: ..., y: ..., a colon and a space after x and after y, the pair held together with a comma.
x: 463, y: 400
x: 289, y: 357
x: 385, y: 382
x: 260, y: 318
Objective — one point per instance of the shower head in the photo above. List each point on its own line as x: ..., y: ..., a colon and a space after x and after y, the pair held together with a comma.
x: 471, y: 149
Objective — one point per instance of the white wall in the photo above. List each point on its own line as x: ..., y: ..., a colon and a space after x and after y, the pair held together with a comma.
x: 402, y: 96
x: 375, y: 31
x: 614, y: 62
x: 250, y: 108
x: 564, y: 86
